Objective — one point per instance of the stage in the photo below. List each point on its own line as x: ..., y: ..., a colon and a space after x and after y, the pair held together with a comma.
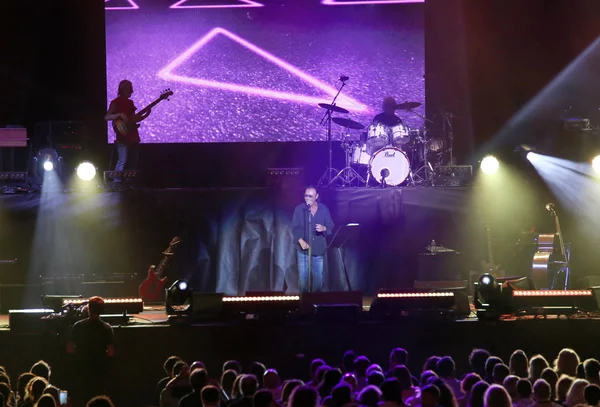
x: 239, y: 240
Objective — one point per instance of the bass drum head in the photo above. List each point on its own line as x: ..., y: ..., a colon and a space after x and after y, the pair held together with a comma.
x: 393, y: 163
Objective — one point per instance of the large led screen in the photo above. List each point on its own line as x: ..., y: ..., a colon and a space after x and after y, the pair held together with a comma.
x: 255, y: 70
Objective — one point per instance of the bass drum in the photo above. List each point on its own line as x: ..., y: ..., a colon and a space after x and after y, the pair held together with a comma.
x: 360, y: 155
x: 390, y: 163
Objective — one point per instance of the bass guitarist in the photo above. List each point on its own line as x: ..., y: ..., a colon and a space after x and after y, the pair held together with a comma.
x: 127, y: 141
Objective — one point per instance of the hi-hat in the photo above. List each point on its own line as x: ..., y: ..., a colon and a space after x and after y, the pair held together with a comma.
x: 407, y: 105
x: 333, y: 108
x: 349, y: 124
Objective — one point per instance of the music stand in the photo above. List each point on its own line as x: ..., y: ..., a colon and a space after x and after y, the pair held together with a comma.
x: 345, y: 234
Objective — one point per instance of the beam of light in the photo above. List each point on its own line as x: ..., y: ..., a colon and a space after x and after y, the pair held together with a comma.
x: 48, y: 165
x: 596, y: 164
x: 532, y: 157
x: 245, y: 4
x: 575, y: 187
x: 574, y: 80
x: 86, y: 171
x: 490, y: 165
x: 357, y: 3
x: 133, y: 6
x: 167, y: 74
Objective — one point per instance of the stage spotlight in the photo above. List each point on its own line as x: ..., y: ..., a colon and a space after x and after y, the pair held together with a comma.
x: 490, y: 165
x: 487, y: 280
x: 48, y: 165
x: 533, y: 157
x: 179, y: 298
x: 46, y: 160
x: 86, y: 171
x: 596, y: 164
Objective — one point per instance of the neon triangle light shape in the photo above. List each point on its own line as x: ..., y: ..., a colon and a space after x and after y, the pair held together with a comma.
x: 357, y: 3
x: 133, y: 6
x: 167, y: 74
x: 246, y: 3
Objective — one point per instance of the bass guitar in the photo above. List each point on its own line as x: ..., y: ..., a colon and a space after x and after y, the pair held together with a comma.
x: 122, y: 127
x: 153, y: 287
x: 489, y: 266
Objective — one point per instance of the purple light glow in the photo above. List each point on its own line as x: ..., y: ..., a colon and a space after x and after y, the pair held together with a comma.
x: 248, y: 3
x: 133, y: 6
x: 355, y: 2
x: 167, y: 74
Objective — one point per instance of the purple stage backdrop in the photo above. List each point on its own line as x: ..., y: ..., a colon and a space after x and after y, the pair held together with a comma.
x: 245, y: 70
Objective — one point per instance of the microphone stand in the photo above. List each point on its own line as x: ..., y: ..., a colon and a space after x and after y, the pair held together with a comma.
x: 309, y: 224
x: 326, y: 120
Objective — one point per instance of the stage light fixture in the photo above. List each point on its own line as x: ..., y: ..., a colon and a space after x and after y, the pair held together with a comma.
x: 402, y: 303
x: 46, y: 160
x: 596, y: 164
x: 178, y: 298
x: 490, y: 165
x: 86, y: 171
x: 112, y: 306
x: 269, y: 298
x: 488, y: 280
x: 552, y: 302
x: 261, y: 306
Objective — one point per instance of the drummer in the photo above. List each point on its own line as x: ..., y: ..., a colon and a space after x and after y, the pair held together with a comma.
x: 388, y: 118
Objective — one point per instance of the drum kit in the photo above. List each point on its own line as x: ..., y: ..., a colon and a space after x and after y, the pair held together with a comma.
x: 385, y: 155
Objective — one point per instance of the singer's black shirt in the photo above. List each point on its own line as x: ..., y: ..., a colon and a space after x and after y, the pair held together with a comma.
x: 318, y: 240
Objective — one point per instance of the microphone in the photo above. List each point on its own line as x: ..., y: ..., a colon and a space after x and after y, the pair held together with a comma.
x: 344, y: 78
x: 384, y: 174
x: 550, y: 206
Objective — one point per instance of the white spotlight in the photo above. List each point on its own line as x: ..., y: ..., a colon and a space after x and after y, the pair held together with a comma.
x: 533, y: 157
x: 596, y: 164
x: 489, y: 165
x: 86, y: 171
x: 48, y: 165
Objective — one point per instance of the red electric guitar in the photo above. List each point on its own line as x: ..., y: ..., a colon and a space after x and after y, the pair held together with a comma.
x: 153, y: 287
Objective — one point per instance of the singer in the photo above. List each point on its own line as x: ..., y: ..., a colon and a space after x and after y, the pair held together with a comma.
x: 316, y: 215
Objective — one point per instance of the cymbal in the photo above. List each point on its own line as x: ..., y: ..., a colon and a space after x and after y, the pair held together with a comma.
x: 333, y: 108
x: 350, y: 124
x: 407, y: 105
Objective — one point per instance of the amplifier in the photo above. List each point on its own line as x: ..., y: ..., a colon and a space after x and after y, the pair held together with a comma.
x: 454, y: 175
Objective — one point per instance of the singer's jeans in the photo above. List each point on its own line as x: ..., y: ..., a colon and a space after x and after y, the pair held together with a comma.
x: 317, y: 272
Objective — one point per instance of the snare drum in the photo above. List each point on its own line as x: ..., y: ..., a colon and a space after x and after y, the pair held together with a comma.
x: 378, y: 136
x: 400, y: 135
x: 360, y: 155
